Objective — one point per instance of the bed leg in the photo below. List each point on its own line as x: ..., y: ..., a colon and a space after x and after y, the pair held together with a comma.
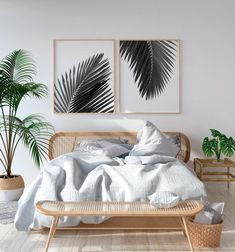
x: 187, y: 233
x: 52, y: 231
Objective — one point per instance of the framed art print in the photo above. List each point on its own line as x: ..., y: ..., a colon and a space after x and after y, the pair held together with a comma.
x: 149, y: 76
x: 83, y: 76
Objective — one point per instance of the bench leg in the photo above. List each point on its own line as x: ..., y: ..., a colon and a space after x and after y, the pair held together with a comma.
x: 187, y: 233
x: 52, y: 231
x: 182, y: 225
x: 56, y: 224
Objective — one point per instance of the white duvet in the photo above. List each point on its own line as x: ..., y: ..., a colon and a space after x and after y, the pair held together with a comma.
x: 82, y: 176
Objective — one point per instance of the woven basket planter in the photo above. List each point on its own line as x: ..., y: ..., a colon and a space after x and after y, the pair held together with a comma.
x: 204, y: 236
x: 11, y: 188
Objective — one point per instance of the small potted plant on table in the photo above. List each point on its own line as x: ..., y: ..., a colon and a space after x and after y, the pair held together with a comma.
x: 16, y: 83
x: 219, y: 144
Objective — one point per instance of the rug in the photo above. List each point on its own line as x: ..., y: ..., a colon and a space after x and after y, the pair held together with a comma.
x: 7, y: 211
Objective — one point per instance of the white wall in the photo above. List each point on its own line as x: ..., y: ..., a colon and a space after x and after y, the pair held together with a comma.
x: 207, y: 66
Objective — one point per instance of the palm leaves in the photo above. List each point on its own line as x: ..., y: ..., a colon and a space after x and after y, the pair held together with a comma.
x: 34, y: 133
x: 85, y: 88
x: 152, y: 63
x: 18, y: 66
x: 16, y: 82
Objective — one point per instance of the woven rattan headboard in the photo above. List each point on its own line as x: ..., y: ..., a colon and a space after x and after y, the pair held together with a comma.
x: 64, y: 142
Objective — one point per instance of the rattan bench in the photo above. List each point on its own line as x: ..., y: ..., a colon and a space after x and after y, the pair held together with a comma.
x: 56, y: 209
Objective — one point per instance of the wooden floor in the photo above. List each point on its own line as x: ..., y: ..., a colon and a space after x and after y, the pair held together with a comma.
x: 92, y: 241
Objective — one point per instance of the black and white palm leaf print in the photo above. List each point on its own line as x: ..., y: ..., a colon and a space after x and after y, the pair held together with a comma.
x: 85, y: 88
x: 152, y: 63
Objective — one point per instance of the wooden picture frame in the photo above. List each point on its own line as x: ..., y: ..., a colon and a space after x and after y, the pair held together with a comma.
x: 130, y: 87
x: 83, y: 76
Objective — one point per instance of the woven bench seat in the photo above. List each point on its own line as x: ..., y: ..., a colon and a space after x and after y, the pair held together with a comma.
x: 57, y: 209
x: 116, y: 208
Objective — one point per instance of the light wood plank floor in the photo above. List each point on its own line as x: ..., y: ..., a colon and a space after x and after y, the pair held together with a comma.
x: 92, y: 241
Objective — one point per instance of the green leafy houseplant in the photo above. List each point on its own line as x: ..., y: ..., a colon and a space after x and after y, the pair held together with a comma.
x: 219, y: 144
x: 16, y: 83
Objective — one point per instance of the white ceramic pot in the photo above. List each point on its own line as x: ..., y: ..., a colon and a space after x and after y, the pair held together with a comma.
x: 11, y: 188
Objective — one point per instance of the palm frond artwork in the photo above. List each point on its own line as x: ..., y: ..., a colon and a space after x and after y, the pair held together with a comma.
x: 152, y: 63
x: 85, y: 88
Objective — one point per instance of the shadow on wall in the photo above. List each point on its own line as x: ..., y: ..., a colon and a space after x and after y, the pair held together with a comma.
x: 71, y: 122
x: 98, y: 124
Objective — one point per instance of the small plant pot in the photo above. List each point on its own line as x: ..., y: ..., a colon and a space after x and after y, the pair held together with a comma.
x: 11, y: 188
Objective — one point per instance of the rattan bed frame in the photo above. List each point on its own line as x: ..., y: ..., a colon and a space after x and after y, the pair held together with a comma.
x: 64, y: 142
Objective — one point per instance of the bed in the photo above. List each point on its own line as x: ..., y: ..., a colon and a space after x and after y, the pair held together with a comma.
x: 155, y: 163
x: 64, y: 142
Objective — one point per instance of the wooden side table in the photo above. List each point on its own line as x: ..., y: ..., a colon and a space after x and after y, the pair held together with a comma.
x: 210, y: 164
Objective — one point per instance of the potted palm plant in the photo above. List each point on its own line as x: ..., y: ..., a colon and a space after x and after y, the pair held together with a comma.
x: 16, y: 83
x: 219, y: 144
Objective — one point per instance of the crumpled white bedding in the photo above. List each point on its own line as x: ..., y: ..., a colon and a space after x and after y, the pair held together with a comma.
x: 83, y: 176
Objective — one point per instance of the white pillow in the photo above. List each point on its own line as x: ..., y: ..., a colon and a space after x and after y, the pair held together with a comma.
x: 211, y: 214
x: 164, y: 199
x: 113, y: 149
x: 107, y: 147
x: 151, y: 141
